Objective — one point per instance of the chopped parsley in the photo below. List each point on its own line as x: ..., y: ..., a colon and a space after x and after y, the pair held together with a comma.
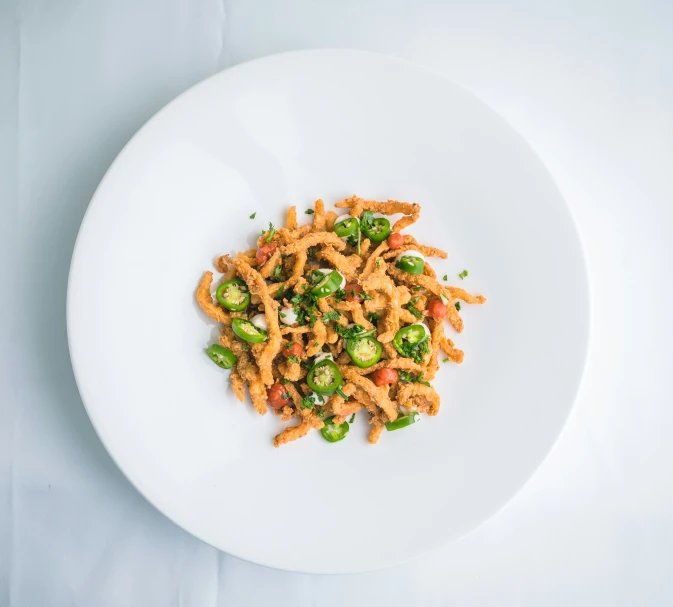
x: 418, y: 288
x: 285, y: 396
x: 304, y: 306
x: 445, y: 277
x: 352, y: 419
x: 463, y: 274
x: 275, y: 276
x: 293, y: 359
x: 378, y: 262
x: 307, y: 403
x: 309, y: 211
x: 353, y: 240
x: 412, y: 307
x: 331, y: 315
x: 280, y: 290
x: 311, y: 254
x: 321, y: 414
x: 457, y: 304
x: 339, y: 295
x: 253, y: 215
x: 446, y: 360
x: 272, y: 231
x: 366, y: 220
x: 373, y: 317
x: 365, y: 296
x: 415, y: 351
x: 316, y: 344
x: 410, y: 378
x: 349, y: 332
x: 341, y: 393
x: 284, y: 381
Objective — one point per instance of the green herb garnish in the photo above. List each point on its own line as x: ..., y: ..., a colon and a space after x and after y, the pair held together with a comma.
x: 352, y: 419
x: 293, y: 359
x: 463, y: 274
x: 309, y: 211
x: 271, y: 232
x: 253, y: 215
x: 457, y: 304
x: 341, y: 393
x: 445, y: 277
x: 331, y: 315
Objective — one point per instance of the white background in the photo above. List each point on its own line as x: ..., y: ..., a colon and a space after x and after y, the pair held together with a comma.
x: 588, y: 83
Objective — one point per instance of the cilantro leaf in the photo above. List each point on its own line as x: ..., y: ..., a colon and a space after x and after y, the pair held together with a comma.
x: 457, y: 304
x: 272, y: 231
x: 373, y: 317
x: 331, y: 315
x: 293, y: 359
x: 253, y: 215
x: 339, y: 295
x: 309, y: 211
x: 463, y: 274
x: 445, y: 277
x: 349, y: 332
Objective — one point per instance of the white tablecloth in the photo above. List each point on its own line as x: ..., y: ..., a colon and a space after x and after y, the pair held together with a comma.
x: 589, y: 84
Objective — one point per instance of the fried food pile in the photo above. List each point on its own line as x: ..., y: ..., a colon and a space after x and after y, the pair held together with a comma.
x: 344, y: 314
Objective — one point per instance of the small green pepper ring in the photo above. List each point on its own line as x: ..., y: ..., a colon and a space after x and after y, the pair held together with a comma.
x: 325, y: 377
x: 233, y: 295
x: 377, y: 230
x: 403, y: 422
x: 364, y: 351
x: 347, y: 227
x: 413, y: 334
x: 411, y: 264
x: 327, y: 285
x: 332, y: 432
x: 222, y: 357
x: 247, y: 331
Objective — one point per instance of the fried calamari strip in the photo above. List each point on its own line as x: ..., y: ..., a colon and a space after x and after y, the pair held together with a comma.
x: 389, y: 207
x: 248, y: 371
x: 378, y: 394
x: 295, y: 330
x: 319, y: 216
x: 271, y: 347
x: 390, y: 324
x: 337, y: 402
x: 294, y: 432
x: 286, y: 413
x: 370, y: 266
x: 267, y: 269
x: 330, y: 220
x: 291, y: 221
x: 317, y: 338
x: 409, y: 392
x: 348, y: 411
x: 237, y: 384
x: 346, y: 265
x: 375, y: 432
x: 205, y: 300
x: 458, y: 293
x: 323, y: 238
x: 406, y: 364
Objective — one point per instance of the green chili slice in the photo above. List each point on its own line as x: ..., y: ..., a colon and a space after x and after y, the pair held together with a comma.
x: 364, y: 351
x: 376, y: 229
x: 347, y: 227
x: 411, y: 264
x: 324, y: 378
x: 332, y: 432
x: 247, y: 331
x: 222, y: 357
x: 233, y: 295
x: 403, y: 422
x: 327, y: 285
x: 409, y: 336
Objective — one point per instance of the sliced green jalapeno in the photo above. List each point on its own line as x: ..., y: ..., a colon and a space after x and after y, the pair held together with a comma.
x: 411, y: 264
x: 247, y: 331
x: 347, y: 227
x: 233, y: 295
x: 376, y: 229
x: 334, y: 432
x: 403, y: 422
x: 409, y: 335
x: 327, y: 285
x: 222, y: 357
x: 364, y: 351
x: 324, y: 378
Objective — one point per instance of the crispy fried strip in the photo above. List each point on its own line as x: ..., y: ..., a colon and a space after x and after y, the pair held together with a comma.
x: 337, y: 402
x: 237, y: 384
x: 406, y: 364
x: 332, y: 335
x: 429, y: 271
x: 319, y: 216
x: 292, y: 371
x: 371, y: 260
x: 206, y: 302
x: 270, y: 265
x: 458, y: 293
x: 295, y: 432
x: 407, y: 392
x: 379, y: 395
x: 351, y: 409
x: 346, y: 265
x: 291, y: 221
x: 297, y: 330
x: 378, y: 302
x: 375, y: 432
x: 434, y: 287
x: 286, y: 413
x: 390, y: 324
x: 294, y: 394
x: 323, y: 238
x: 453, y: 354
x: 228, y: 340
x: 330, y: 220
x: 317, y: 338
x: 389, y: 207
x: 407, y: 220
x: 365, y: 245
x: 257, y: 286
x: 249, y: 373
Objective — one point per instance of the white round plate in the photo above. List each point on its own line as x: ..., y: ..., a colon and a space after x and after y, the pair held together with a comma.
x: 286, y: 130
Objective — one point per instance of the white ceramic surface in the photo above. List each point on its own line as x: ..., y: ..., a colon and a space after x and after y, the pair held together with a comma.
x: 286, y: 130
